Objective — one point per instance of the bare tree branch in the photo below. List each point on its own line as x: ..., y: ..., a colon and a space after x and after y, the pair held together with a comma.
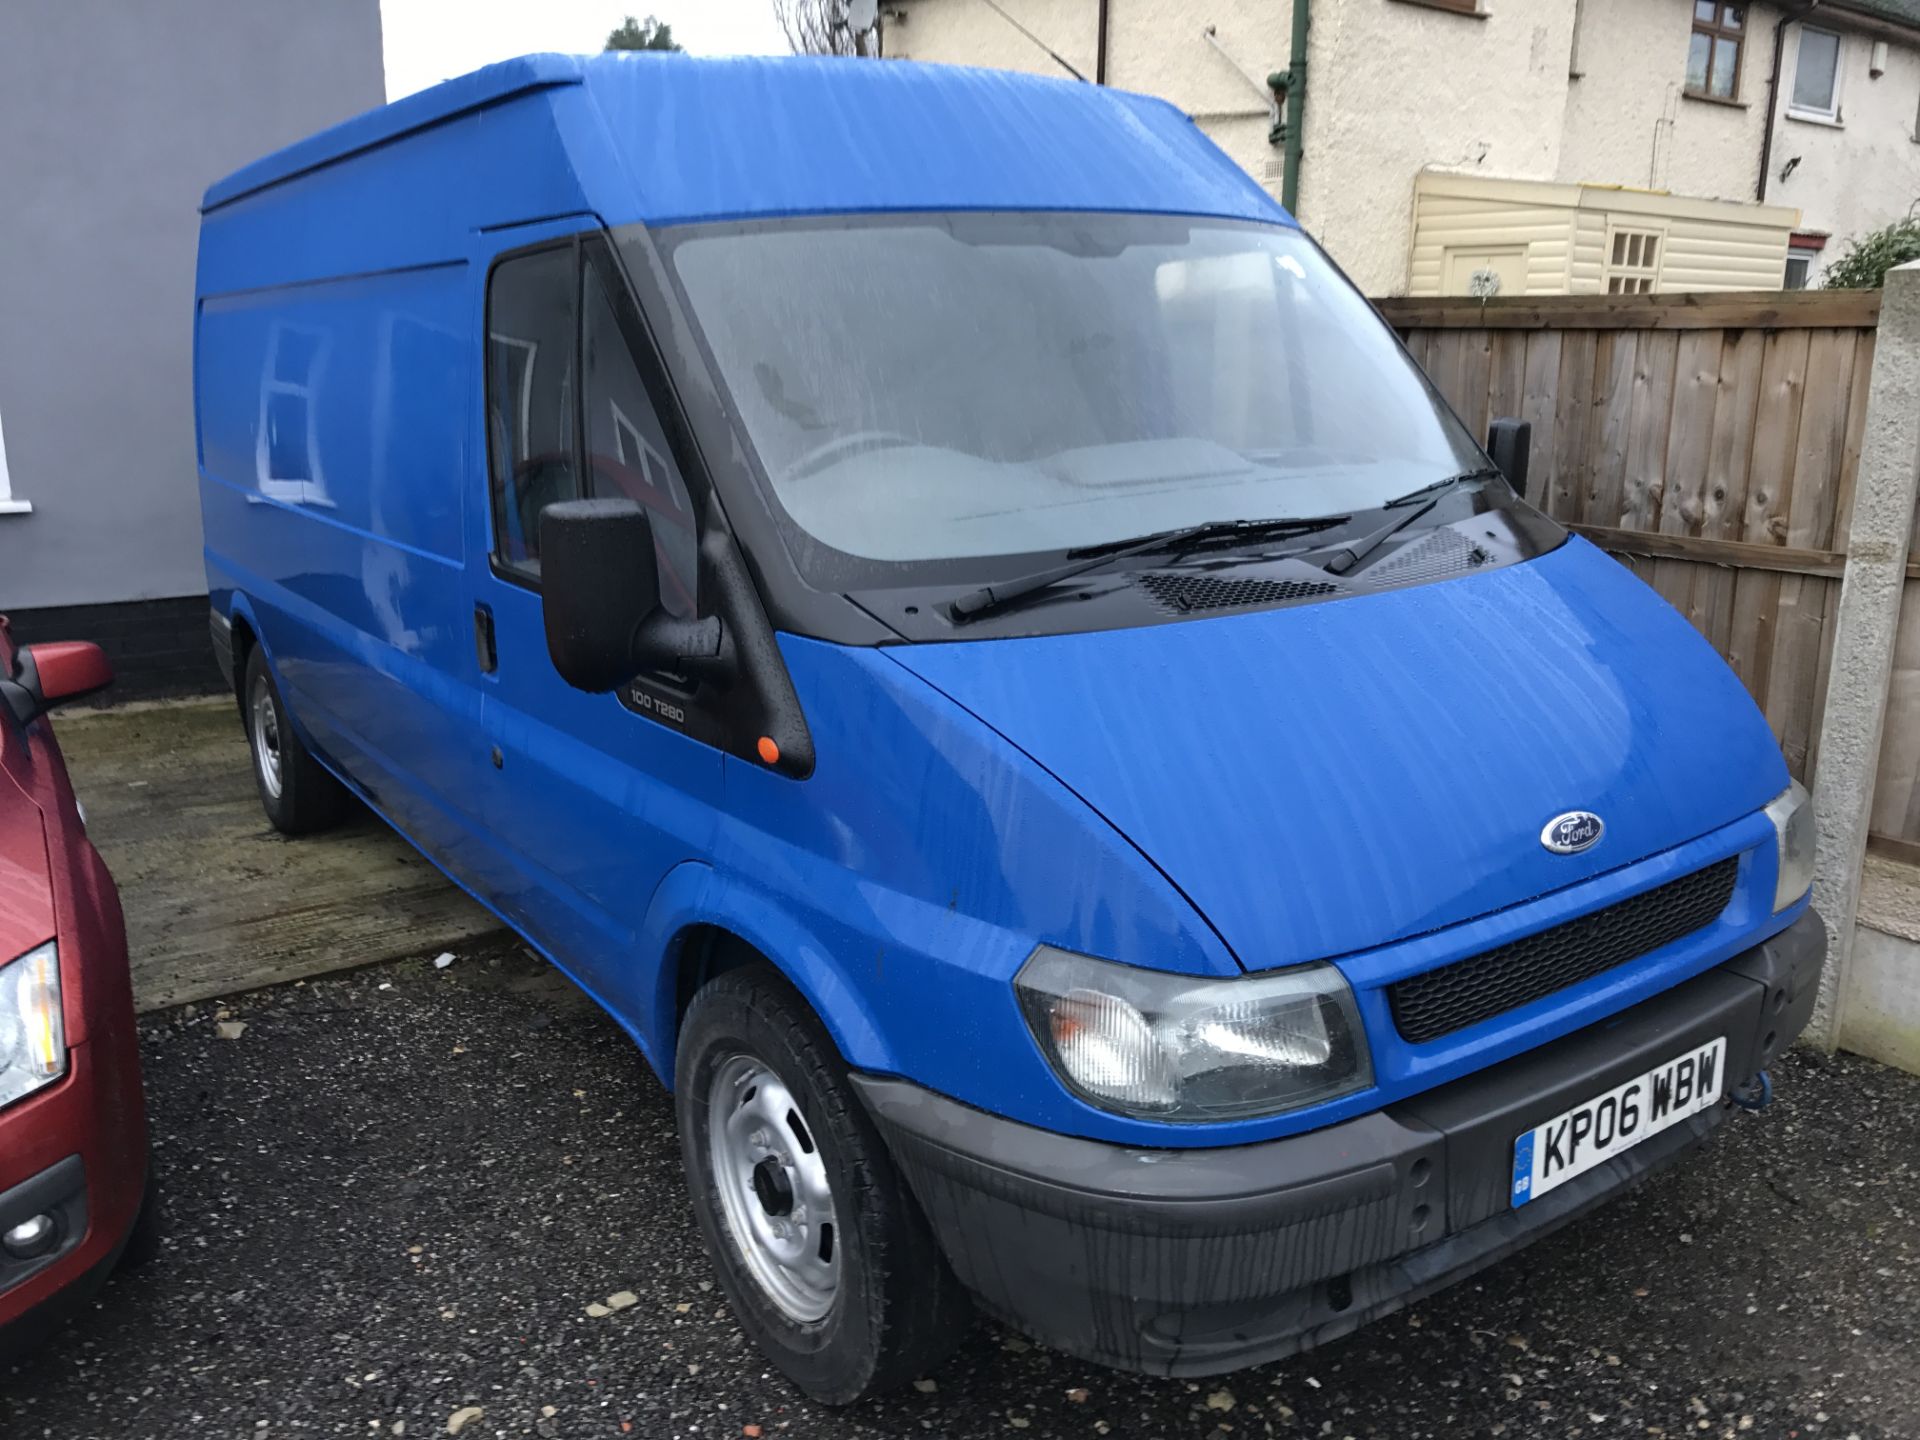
x: 821, y: 27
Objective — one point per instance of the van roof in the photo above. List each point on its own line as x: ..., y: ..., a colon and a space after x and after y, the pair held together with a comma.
x: 670, y: 139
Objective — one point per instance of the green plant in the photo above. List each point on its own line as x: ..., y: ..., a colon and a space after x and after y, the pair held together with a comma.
x: 1870, y: 256
x: 647, y: 34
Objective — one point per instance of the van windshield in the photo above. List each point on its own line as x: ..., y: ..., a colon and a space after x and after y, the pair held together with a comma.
x: 936, y: 388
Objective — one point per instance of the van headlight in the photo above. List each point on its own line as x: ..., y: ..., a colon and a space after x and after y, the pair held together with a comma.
x: 1171, y: 1047
x: 1791, y: 812
x: 33, y: 1033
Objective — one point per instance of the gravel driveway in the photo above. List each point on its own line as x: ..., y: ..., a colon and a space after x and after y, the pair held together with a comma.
x: 393, y: 1196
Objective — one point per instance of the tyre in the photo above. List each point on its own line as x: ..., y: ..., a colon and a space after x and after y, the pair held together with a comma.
x: 297, y: 793
x: 819, y: 1244
x: 143, y: 1241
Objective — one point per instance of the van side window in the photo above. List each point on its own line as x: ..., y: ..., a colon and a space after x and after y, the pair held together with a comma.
x: 532, y: 319
x: 627, y: 449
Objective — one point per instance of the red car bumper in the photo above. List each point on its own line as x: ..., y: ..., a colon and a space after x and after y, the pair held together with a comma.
x: 78, y: 1149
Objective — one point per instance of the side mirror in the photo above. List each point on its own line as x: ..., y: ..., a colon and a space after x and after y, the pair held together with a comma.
x: 600, y: 585
x: 1510, y: 445
x: 48, y: 675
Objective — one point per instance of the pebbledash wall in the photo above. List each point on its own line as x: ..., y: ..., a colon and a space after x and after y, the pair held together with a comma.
x: 1572, y: 92
x: 113, y: 120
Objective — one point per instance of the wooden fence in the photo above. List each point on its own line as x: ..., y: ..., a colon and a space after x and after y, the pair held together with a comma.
x: 1710, y: 442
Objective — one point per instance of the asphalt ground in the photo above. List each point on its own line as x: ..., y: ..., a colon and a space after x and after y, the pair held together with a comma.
x: 394, y: 1194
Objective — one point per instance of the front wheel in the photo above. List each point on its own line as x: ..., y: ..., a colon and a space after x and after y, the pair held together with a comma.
x: 819, y: 1244
x: 296, y: 791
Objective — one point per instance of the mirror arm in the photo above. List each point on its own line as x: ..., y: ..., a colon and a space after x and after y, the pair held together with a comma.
x: 696, y: 646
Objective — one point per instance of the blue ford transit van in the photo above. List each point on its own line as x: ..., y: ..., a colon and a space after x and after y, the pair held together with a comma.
x: 929, y: 596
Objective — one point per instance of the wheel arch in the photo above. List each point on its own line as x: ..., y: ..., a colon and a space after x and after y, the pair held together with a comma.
x: 702, y: 924
x: 246, y: 638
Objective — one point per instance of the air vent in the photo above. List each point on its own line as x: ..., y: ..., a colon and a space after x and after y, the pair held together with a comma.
x: 1442, y: 553
x: 1189, y: 594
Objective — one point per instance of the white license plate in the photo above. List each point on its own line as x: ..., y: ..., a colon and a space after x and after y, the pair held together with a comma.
x: 1573, y: 1142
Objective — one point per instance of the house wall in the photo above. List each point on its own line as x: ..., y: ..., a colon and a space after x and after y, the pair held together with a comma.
x: 1584, y: 92
x: 1483, y: 83
x: 113, y: 120
x: 1627, y: 120
x: 1865, y: 172
x: 1396, y: 87
x: 1157, y: 47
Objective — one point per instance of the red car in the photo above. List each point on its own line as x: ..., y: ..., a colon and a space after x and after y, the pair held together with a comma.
x: 73, y: 1127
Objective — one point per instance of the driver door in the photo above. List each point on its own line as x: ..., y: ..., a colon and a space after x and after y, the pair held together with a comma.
x: 592, y: 801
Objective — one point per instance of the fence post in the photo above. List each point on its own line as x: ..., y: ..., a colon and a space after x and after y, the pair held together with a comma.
x: 1862, y: 663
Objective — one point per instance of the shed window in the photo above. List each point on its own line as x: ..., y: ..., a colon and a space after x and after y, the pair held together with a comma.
x: 1713, y: 51
x: 1633, y: 262
x: 1816, y: 74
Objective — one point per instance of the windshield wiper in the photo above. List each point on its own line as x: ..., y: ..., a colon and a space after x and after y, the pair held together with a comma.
x: 989, y: 598
x: 1439, y: 486
x: 1347, y: 557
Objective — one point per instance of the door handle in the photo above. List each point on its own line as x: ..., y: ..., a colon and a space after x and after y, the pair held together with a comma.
x: 483, y: 644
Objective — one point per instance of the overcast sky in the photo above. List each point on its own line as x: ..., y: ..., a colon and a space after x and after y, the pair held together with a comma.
x: 429, y: 40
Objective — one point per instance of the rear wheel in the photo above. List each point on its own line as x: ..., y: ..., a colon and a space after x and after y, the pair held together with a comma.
x: 819, y: 1244
x: 296, y: 791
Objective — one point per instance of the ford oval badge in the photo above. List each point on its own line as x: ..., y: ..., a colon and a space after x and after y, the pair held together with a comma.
x: 1572, y: 832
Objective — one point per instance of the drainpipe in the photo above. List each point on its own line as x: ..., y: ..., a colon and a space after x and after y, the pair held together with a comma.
x: 1773, y: 93
x: 1293, y: 86
x: 1100, y: 47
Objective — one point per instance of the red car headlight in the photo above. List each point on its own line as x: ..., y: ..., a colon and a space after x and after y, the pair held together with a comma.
x: 33, y: 1032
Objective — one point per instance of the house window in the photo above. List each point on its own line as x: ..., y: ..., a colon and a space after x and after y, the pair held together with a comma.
x: 1713, y: 52
x: 1633, y: 262
x: 1816, y: 75
x: 1803, y: 258
x: 8, y: 505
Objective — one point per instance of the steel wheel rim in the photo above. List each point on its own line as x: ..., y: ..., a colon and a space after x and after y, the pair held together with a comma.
x: 774, y: 1192
x: 266, y: 735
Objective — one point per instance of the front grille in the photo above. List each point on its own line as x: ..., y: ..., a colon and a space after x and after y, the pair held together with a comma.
x: 1451, y: 998
x: 1184, y: 594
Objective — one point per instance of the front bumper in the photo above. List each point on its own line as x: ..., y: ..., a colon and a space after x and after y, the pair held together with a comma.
x: 1192, y: 1262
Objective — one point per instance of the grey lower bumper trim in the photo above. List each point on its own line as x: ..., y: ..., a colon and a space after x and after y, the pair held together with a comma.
x: 1196, y: 1261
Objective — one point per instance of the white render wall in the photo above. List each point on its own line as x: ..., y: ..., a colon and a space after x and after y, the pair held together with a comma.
x: 1156, y: 47
x: 1396, y: 88
x: 1627, y: 121
x: 1866, y: 172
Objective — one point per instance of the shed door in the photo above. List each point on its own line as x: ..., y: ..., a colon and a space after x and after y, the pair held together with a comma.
x: 1505, y: 264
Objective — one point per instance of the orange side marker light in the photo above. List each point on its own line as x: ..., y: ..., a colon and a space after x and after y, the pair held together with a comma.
x: 769, y: 751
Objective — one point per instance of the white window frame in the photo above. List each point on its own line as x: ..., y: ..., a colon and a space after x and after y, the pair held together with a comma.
x: 1645, y: 230
x: 1808, y: 254
x: 648, y: 461
x: 1804, y: 112
x: 311, y: 488
x: 523, y: 406
x: 9, y: 505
